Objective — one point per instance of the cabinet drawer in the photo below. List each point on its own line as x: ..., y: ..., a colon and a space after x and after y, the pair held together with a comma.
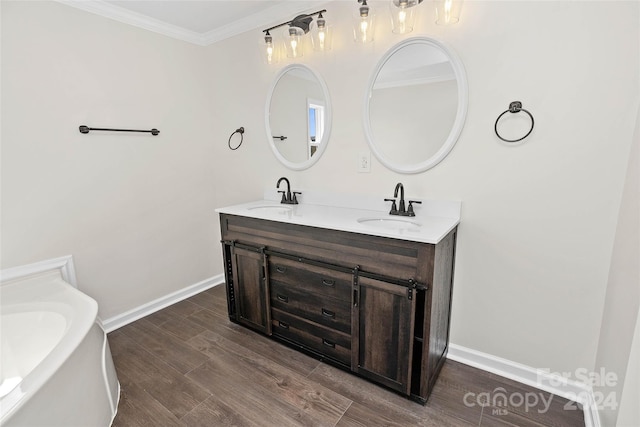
x: 323, y: 340
x: 330, y: 312
x: 310, y: 278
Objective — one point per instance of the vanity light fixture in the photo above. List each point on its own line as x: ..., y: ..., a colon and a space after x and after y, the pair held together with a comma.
x: 447, y: 11
x: 402, y: 15
x: 363, y: 23
x: 298, y: 26
x: 320, y: 35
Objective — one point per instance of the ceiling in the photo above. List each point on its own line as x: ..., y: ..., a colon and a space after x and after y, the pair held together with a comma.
x: 201, y: 22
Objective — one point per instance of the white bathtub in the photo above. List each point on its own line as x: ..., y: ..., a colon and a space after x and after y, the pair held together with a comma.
x: 56, y: 366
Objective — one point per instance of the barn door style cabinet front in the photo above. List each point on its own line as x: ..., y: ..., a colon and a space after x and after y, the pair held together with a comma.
x: 251, y: 302
x: 383, y: 316
x: 376, y: 306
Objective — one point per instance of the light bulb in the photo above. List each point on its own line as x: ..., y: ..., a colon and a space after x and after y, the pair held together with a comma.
x: 270, y: 53
x: 294, y: 50
x: 321, y: 38
x: 447, y: 10
x: 364, y: 25
x: 402, y: 12
x: 402, y: 16
x: 269, y: 49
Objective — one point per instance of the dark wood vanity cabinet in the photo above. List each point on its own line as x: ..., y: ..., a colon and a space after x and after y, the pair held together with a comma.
x: 250, y: 282
x: 383, y: 319
x: 374, y: 305
x: 311, y: 306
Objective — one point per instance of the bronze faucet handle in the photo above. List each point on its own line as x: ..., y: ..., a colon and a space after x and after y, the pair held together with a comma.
x: 294, y: 199
x: 410, y: 211
x: 394, y: 208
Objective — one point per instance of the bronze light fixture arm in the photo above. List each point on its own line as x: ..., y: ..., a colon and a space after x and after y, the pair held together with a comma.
x: 301, y: 21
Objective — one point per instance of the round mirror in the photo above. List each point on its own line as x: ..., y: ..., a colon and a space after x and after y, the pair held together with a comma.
x: 298, y: 116
x: 416, y: 105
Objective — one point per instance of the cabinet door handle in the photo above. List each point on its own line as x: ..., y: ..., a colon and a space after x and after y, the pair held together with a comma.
x: 283, y: 325
x: 328, y: 282
x: 328, y: 313
x: 282, y: 298
x: 280, y: 269
x: 328, y: 343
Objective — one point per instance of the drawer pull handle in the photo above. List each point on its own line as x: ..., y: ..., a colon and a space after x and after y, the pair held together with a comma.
x: 327, y: 313
x: 282, y: 298
x: 283, y: 325
x: 328, y: 282
x: 280, y: 269
x: 328, y: 343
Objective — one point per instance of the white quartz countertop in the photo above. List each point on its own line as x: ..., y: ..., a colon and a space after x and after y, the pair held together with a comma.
x: 433, y: 220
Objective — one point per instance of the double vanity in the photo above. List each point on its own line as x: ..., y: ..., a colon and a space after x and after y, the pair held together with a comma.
x: 346, y: 282
x: 363, y: 283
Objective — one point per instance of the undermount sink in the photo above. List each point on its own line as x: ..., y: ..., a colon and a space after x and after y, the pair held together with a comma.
x: 392, y: 224
x: 271, y: 208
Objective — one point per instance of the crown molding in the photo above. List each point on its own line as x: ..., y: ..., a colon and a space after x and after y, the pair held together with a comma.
x: 139, y: 20
x: 275, y: 13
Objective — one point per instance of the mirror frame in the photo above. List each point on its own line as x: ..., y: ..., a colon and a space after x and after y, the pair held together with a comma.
x: 322, y: 146
x: 461, y: 112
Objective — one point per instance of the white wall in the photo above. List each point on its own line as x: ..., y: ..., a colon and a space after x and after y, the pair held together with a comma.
x: 134, y: 210
x: 629, y: 411
x: 622, y: 302
x: 539, y: 219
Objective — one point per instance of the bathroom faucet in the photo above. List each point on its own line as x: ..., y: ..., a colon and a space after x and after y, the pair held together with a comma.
x: 402, y: 211
x: 287, y: 198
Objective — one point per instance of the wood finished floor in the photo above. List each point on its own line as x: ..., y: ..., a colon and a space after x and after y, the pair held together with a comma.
x: 188, y: 365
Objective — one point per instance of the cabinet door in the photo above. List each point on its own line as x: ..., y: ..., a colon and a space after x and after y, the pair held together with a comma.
x: 383, y: 323
x: 251, y: 289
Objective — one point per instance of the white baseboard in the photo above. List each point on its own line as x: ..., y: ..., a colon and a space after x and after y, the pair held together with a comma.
x: 120, y: 320
x: 551, y: 383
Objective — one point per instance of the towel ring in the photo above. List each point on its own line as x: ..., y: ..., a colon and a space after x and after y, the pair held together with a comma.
x: 240, y: 130
x: 514, y: 107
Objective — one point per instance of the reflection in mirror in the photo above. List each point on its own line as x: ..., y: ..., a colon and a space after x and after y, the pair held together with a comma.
x: 315, y: 124
x: 298, y: 108
x: 415, y: 105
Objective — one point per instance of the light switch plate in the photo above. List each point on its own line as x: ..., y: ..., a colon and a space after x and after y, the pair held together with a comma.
x: 364, y: 161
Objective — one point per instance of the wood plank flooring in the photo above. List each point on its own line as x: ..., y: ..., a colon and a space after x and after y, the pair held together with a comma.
x: 188, y: 365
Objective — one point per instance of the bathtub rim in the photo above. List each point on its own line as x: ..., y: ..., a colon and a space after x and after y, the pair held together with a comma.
x: 63, y: 264
x: 78, y: 324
